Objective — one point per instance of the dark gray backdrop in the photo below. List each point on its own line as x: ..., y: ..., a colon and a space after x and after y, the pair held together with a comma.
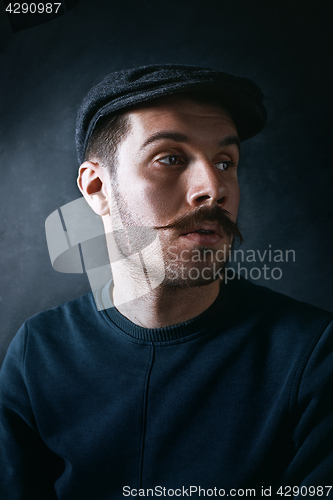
x: 285, y: 173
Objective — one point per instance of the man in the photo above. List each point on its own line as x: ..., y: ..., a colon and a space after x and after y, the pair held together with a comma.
x: 188, y: 384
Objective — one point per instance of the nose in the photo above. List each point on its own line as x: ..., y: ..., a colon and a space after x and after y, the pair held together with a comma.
x: 206, y: 185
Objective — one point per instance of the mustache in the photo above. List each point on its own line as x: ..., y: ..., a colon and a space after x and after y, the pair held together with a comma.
x: 204, y: 214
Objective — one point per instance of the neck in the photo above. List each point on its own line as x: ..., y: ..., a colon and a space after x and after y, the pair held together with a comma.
x: 165, y: 305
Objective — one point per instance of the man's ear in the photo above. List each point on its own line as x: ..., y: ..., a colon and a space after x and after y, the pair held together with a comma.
x: 91, y: 182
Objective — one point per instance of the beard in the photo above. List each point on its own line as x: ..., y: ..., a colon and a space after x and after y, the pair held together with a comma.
x: 199, y: 266
x: 203, y: 267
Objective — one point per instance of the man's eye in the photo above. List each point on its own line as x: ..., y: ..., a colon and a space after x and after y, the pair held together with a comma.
x: 224, y: 165
x: 172, y: 160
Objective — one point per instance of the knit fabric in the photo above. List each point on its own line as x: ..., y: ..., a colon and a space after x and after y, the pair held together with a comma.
x: 93, y: 406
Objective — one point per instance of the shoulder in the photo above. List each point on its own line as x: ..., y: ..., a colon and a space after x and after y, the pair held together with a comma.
x: 283, y: 334
x: 80, y: 314
x: 68, y: 312
x: 64, y: 327
x: 279, y: 320
x: 268, y: 303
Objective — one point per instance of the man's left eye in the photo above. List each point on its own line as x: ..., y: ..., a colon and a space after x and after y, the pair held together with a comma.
x: 223, y: 165
x: 171, y: 160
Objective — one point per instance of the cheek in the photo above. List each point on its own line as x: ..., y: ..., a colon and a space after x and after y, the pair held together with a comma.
x: 155, y: 199
x: 164, y: 201
x: 153, y: 202
x: 234, y: 198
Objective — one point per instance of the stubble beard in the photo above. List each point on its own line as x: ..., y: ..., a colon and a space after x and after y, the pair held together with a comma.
x: 197, y: 267
x: 204, y: 266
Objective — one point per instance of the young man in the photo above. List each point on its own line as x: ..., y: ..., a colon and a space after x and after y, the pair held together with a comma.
x: 174, y: 383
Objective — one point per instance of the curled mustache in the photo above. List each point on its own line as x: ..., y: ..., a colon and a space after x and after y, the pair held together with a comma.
x: 204, y: 214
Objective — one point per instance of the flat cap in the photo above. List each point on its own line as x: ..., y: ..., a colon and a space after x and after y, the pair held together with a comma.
x: 121, y: 90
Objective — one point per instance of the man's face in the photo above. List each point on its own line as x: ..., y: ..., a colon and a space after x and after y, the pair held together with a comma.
x: 180, y: 159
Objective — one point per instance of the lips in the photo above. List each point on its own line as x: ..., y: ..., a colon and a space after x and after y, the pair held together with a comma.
x: 204, y: 234
x: 204, y: 229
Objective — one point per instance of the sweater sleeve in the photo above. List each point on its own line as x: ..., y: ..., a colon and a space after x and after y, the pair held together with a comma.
x: 28, y: 469
x: 312, y: 405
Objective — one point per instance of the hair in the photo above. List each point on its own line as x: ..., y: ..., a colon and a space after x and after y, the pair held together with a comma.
x: 112, y: 129
x: 105, y: 139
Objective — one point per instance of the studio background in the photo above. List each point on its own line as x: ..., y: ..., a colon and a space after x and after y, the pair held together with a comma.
x: 285, y: 172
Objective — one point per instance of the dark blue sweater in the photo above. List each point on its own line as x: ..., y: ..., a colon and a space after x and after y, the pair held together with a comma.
x: 239, y: 397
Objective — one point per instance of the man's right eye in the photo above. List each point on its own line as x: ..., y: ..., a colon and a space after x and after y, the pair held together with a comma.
x: 172, y: 160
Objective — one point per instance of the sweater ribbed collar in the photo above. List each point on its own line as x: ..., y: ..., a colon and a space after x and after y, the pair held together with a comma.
x: 206, y: 321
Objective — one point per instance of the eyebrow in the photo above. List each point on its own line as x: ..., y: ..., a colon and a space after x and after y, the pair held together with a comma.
x: 178, y: 137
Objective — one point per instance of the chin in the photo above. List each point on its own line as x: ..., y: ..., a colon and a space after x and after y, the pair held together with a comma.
x: 180, y: 276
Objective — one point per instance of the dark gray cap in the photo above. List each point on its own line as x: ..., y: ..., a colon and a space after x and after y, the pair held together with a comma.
x: 121, y: 90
